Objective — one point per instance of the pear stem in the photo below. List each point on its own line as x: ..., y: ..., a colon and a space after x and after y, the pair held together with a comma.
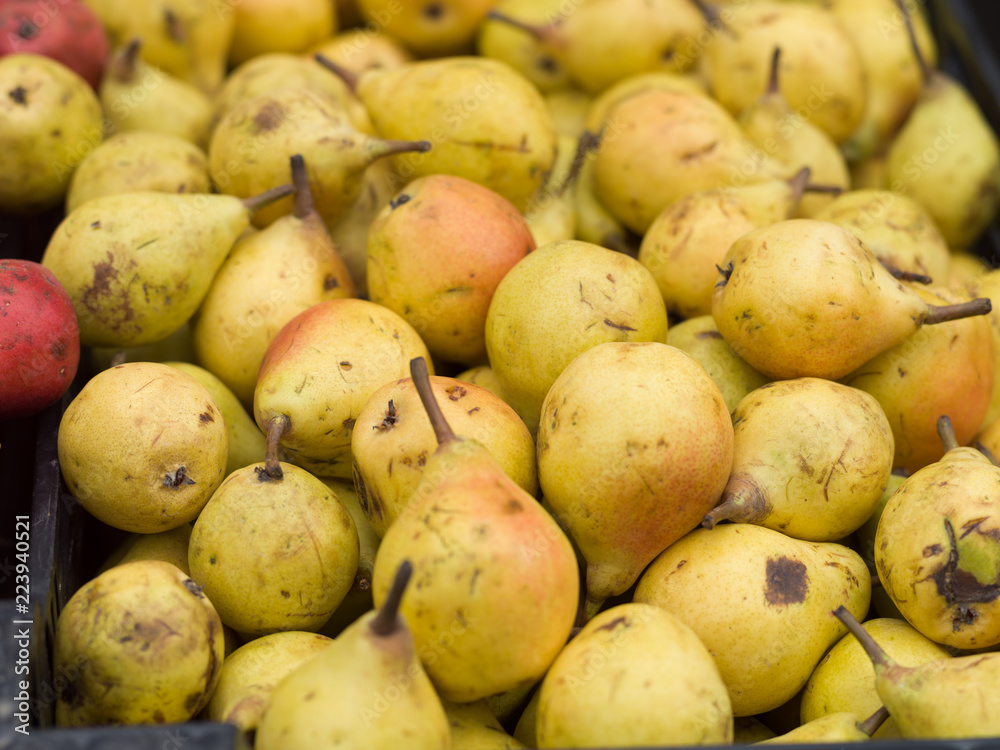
x: 925, y: 70
x: 591, y: 607
x: 871, y: 725
x: 587, y: 143
x: 390, y: 147
x: 540, y: 33
x: 304, y: 205
x: 422, y: 382
x: 347, y: 76
x: 875, y: 653
x: 814, y: 187
x: 943, y: 313
x: 387, y: 619
x: 876, y: 582
x: 125, y: 63
x: 897, y: 273
x: 718, y: 513
x: 710, y: 12
x: 798, y: 183
x: 946, y: 432
x: 276, y: 429
x: 256, y: 202
x: 773, y: 86
x: 118, y: 358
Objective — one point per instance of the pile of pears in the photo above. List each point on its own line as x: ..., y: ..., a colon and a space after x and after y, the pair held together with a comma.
x: 473, y: 374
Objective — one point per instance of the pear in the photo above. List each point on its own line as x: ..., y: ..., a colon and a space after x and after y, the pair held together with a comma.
x: 502, y: 38
x: 528, y: 722
x: 988, y: 285
x: 175, y: 347
x: 601, y: 687
x: 254, y: 140
x: 393, y: 439
x: 835, y: 727
x: 967, y: 270
x: 594, y: 222
x: 138, y: 644
x: 939, y: 370
x: 169, y: 546
x: 947, y: 157
x: 663, y: 431
x: 748, y: 730
x: 778, y: 584
x: 436, y: 254
x: 699, y: 338
x: 598, y: 117
x: 593, y: 296
x: 484, y: 377
x: 461, y: 103
x: 510, y: 703
x: 946, y: 698
x: 139, y: 161
x: 474, y: 727
x: 438, y: 29
x: 698, y: 146
x: 246, y: 441
x: 821, y: 72
x: 269, y: 278
x: 551, y: 215
x: 320, y: 370
x: 274, y: 554
x: 600, y: 44
x: 139, y: 96
x: 252, y: 671
x: 137, y: 265
x: 869, y: 174
x: 143, y: 446
x: 498, y: 580
x: 373, y: 691
x: 261, y: 27
x: 897, y: 229
x: 845, y: 681
x: 50, y: 115
x: 685, y: 244
x: 819, y: 303
x: 794, y: 140
x: 819, y: 475
x: 864, y: 536
x: 359, y: 49
x: 937, y: 549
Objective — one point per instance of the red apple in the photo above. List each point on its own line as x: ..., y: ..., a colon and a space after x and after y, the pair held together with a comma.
x: 39, y: 339
x: 65, y: 30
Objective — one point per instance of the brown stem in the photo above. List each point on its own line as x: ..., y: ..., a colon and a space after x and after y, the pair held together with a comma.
x: 813, y: 187
x: 798, y: 183
x: 175, y: 27
x: 708, y: 10
x: 773, y: 86
x: 876, y: 582
x: 946, y: 432
x: 902, y: 275
x: 118, y: 358
x: 875, y: 653
x: 871, y: 725
x: 304, y: 205
x: 981, y: 447
x: 718, y: 513
x: 389, y: 147
x: 925, y: 70
x: 943, y: 313
x: 387, y: 620
x: 276, y: 429
x: 540, y: 33
x: 347, y: 76
x: 126, y: 61
x: 587, y: 143
x: 256, y: 202
x: 422, y: 382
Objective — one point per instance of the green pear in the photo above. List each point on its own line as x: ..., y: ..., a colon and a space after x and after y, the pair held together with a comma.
x: 474, y: 727
x: 811, y: 459
x: 937, y: 549
x: 941, y: 699
x: 165, y: 105
x: 509, y: 703
x: 635, y: 675
x: 845, y: 681
x: 663, y: 431
x: 835, y: 727
x: 593, y: 296
x: 269, y: 278
x: 319, y: 371
x: 274, y: 554
x: 252, y: 671
x: 370, y: 686
x: 528, y: 722
x: 393, y: 439
x: 501, y: 39
x: 805, y: 298
x: 169, y: 546
x: 137, y: 265
x: 143, y: 446
x: 700, y: 338
x: 864, y: 536
x: 778, y: 585
x: 498, y: 580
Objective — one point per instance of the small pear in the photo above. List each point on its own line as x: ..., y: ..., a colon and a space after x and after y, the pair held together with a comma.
x: 393, y: 439
x: 835, y: 727
x: 374, y: 658
x: 269, y: 278
x: 143, y: 446
x: 440, y: 29
x: 502, y: 38
x: 263, y: 27
x: 169, y: 546
x: 845, y: 681
x: 700, y: 338
x: 474, y: 727
x: 663, y: 432
x: 811, y: 459
x: 937, y: 549
x: 498, y: 580
x: 778, y: 585
x: 528, y: 722
x: 601, y: 689
x: 594, y: 222
x: 947, y: 698
x: 139, y: 96
x: 137, y: 265
x: 819, y: 303
x: 594, y: 296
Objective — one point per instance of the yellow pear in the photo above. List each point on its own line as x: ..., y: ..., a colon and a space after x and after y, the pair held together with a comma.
x: 835, y: 727
x: 169, y: 546
x: 502, y: 38
x: 267, y: 26
x: 358, y: 49
x: 438, y: 29
x: 569, y: 108
x: 474, y: 727
x: 988, y: 285
x: 485, y: 378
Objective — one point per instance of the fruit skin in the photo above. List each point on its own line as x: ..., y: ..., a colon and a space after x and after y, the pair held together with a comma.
x: 39, y: 339
x: 69, y: 33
